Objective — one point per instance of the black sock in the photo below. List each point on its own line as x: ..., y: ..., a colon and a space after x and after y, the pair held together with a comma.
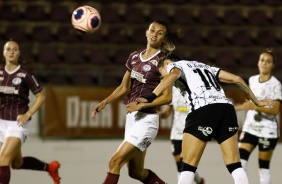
x: 34, y: 164
x: 179, y: 165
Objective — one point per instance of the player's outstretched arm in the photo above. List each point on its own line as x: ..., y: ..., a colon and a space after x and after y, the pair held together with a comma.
x: 120, y: 91
x: 227, y: 77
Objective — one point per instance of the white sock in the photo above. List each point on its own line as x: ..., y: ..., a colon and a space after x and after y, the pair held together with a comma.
x: 186, y: 177
x: 197, y: 178
x: 265, y: 176
x: 240, y: 176
x: 244, y: 164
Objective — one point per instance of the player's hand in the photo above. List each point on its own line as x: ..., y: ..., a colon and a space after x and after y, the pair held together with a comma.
x: 134, y: 106
x: 141, y: 100
x: 22, y: 118
x: 98, y: 108
x: 266, y: 103
x: 249, y: 105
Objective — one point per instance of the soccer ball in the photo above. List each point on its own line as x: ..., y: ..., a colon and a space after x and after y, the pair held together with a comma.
x: 86, y: 19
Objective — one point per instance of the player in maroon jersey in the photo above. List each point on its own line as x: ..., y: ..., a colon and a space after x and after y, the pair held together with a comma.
x: 15, y: 115
x: 141, y: 77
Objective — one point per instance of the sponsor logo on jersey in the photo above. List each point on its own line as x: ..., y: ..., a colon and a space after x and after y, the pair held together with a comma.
x: 1, y: 78
x: 138, y: 76
x: 16, y: 81
x: 257, y: 127
x: 205, y: 130
x: 182, y: 109
x: 8, y: 90
x: 22, y: 75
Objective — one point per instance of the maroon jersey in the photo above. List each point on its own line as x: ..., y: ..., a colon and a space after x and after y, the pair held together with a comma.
x: 14, y: 92
x: 145, y: 76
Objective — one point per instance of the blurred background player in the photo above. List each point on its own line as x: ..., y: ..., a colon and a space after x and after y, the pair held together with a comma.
x: 141, y: 128
x: 261, y: 127
x: 179, y: 109
x: 15, y: 115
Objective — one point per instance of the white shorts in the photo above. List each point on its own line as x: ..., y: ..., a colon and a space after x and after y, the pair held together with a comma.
x: 11, y: 129
x: 141, y: 129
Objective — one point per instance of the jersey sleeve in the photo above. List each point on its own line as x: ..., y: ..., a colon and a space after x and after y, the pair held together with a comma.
x: 128, y: 64
x: 215, y: 70
x: 172, y: 65
x: 277, y: 92
x: 32, y: 83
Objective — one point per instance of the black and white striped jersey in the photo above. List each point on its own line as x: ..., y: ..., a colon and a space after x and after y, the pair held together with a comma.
x: 198, y: 84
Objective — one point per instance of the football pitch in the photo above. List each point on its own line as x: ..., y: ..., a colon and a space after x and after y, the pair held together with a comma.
x: 86, y: 162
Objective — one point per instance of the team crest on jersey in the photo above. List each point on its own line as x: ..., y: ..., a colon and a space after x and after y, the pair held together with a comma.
x: 146, y: 68
x: 154, y: 62
x: 17, y: 81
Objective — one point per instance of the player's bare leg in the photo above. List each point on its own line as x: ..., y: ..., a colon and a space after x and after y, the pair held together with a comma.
x: 10, y: 148
x: 192, y: 150
x: 32, y: 163
x: 231, y: 157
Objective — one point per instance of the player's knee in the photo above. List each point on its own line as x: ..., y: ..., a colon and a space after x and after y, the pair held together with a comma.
x: 16, y: 165
x: 115, y: 162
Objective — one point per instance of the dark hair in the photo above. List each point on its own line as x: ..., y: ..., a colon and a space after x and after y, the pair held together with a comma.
x: 270, y: 52
x: 171, y: 57
x: 21, y: 60
x: 170, y: 37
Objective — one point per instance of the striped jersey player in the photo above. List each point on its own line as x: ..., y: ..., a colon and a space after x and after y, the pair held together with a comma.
x: 144, y: 76
x: 14, y: 92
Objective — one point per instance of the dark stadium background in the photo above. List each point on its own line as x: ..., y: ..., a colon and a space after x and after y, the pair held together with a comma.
x: 229, y: 34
